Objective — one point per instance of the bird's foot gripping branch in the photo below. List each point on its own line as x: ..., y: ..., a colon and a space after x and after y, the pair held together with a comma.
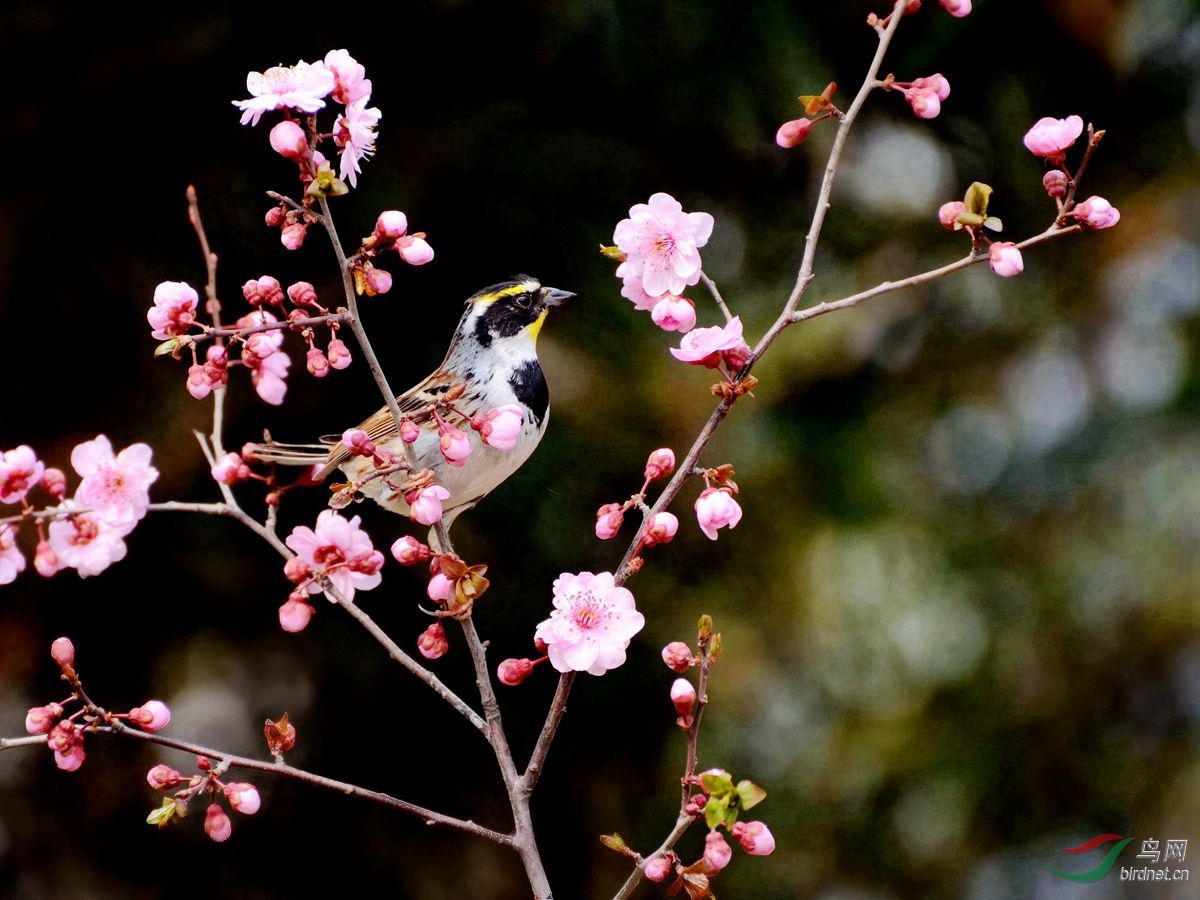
x: 435, y: 450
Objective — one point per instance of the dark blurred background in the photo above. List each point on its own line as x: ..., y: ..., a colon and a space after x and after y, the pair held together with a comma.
x: 960, y: 615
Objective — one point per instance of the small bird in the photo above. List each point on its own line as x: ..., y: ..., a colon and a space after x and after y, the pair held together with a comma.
x: 492, y: 362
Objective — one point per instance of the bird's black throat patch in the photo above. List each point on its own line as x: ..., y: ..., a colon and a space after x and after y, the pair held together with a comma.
x: 529, y: 384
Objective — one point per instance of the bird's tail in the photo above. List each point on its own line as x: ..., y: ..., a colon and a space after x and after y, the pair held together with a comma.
x: 287, y: 454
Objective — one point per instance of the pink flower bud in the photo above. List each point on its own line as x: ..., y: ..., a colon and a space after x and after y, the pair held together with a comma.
x: 455, y: 445
x: 660, y: 464
x: 70, y: 760
x: 318, y: 365
x: 274, y: 217
x: 425, y: 505
x: 1049, y: 137
x: 717, y: 852
x: 678, y: 656
x: 377, y: 281
x: 296, y: 570
x: 683, y: 695
x: 288, y: 140
x: 440, y: 589
x: 295, y: 615
x: 338, y: 354
x: 792, y: 133
x: 736, y: 356
x: 55, y: 483
x: 62, y: 651
x: 163, y: 778
x: 432, y: 643
x: 661, y: 529
x: 153, y: 715
x: 1055, y: 182
x: 1005, y: 259
x: 302, y: 293
x: 925, y: 104
x: 1096, y: 212
x: 45, y: 560
x: 391, y: 225
x: 414, y: 250
x: 292, y: 236
x: 197, y: 382
x: 243, y: 797
x: 216, y: 823
x: 936, y: 83
x: 61, y: 737
x: 409, y: 431
x: 608, y: 520
x: 755, y: 838
x: 502, y: 426
x: 948, y: 214
x: 230, y: 469
x: 408, y: 551
x: 673, y: 313
x: 357, y: 442
x: 956, y: 8
x: 40, y: 719
x: 657, y: 868
x: 716, y: 508
x: 263, y: 290
x: 513, y: 671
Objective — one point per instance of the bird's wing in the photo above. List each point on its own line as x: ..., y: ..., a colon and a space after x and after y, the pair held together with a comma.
x: 381, y: 427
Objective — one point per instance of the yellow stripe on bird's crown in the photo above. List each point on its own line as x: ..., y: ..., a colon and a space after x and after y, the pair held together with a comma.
x: 521, y: 287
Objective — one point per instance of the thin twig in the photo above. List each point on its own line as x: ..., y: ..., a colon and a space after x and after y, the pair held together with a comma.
x: 682, y: 824
x: 558, y: 708
x: 716, y: 295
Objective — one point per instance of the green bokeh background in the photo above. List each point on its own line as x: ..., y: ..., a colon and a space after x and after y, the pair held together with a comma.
x: 960, y: 614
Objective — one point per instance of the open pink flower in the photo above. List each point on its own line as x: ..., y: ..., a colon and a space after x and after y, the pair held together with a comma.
x: 341, y: 551
x: 174, y: 310
x: 87, y: 543
x: 268, y: 364
x: 1005, y: 259
x: 632, y: 290
x: 703, y: 346
x: 354, y: 132
x: 349, y: 77
x: 661, y: 243
x: 1050, y: 137
x: 12, y: 562
x: 302, y: 86
x: 591, y: 625
x: 716, y: 508
x: 425, y: 506
x: 117, y: 488
x: 20, y: 470
x: 1096, y: 212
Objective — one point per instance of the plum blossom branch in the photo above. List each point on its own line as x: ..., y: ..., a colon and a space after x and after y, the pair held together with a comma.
x: 682, y: 824
x: 558, y: 708
x: 213, y: 305
x: 716, y: 295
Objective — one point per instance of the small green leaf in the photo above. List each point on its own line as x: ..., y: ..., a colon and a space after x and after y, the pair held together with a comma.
x: 717, y: 783
x: 613, y: 842
x: 970, y: 220
x: 705, y: 626
x: 163, y: 814
x: 977, y: 197
x: 714, y: 813
x: 750, y: 794
x: 167, y: 347
x: 993, y: 223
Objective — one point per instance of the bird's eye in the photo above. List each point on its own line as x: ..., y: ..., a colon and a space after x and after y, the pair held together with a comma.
x: 523, y: 301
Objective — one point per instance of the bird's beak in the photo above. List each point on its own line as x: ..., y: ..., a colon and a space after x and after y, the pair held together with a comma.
x: 554, y: 297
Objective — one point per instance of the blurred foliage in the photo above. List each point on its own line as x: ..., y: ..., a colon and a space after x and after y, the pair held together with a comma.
x: 960, y: 614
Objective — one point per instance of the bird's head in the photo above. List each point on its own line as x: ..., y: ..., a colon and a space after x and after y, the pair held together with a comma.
x: 511, y: 309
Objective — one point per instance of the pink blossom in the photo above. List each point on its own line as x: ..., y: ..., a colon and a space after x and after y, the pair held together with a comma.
x: 292, y: 236
x: 295, y: 615
x: 925, y: 104
x: 502, y: 426
x: 608, y: 520
x: 755, y: 837
x: 716, y: 508
x: 296, y: 570
x: 153, y: 715
x: 513, y: 671
x: 117, y: 488
x: 216, y: 823
x: 338, y: 354
x: 660, y: 464
x: 632, y: 290
x: 432, y: 643
x: 409, y: 431
x: 1096, y: 212
x: 703, y: 346
x: 350, y: 81
x: 673, y: 313
x: 45, y: 561
x: 1005, y: 258
x: 163, y: 777
x: 717, y: 852
x: 340, y: 551
x: 315, y: 361
x: 358, y: 442
x: 62, y: 737
x: 40, y: 719
x: 956, y: 8
x: 1050, y: 137
x: 662, y: 528
x: 243, y: 797
x: 948, y: 214
x: 440, y: 588
x: 455, y: 445
x: 198, y: 384
x: 230, y: 469
x: 62, y: 651
x: 1055, y: 182
x: 426, y: 505
x: 174, y: 310
x: 70, y: 760
x: 265, y: 290
x: 408, y: 551
x: 793, y: 133
x: 683, y: 695
x: 20, y: 471
x: 591, y: 625
x: 936, y: 83
x: 391, y: 225
x: 414, y: 250
x: 289, y: 140
x: 55, y: 483
x: 377, y: 281
x: 302, y: 86
x: 87, y: 543
x: 354, y: 132
x: 268, y: 365
x: 302, y: 293
x: 661, y: 243
x: 678, y: 656
x: 657, y: 868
